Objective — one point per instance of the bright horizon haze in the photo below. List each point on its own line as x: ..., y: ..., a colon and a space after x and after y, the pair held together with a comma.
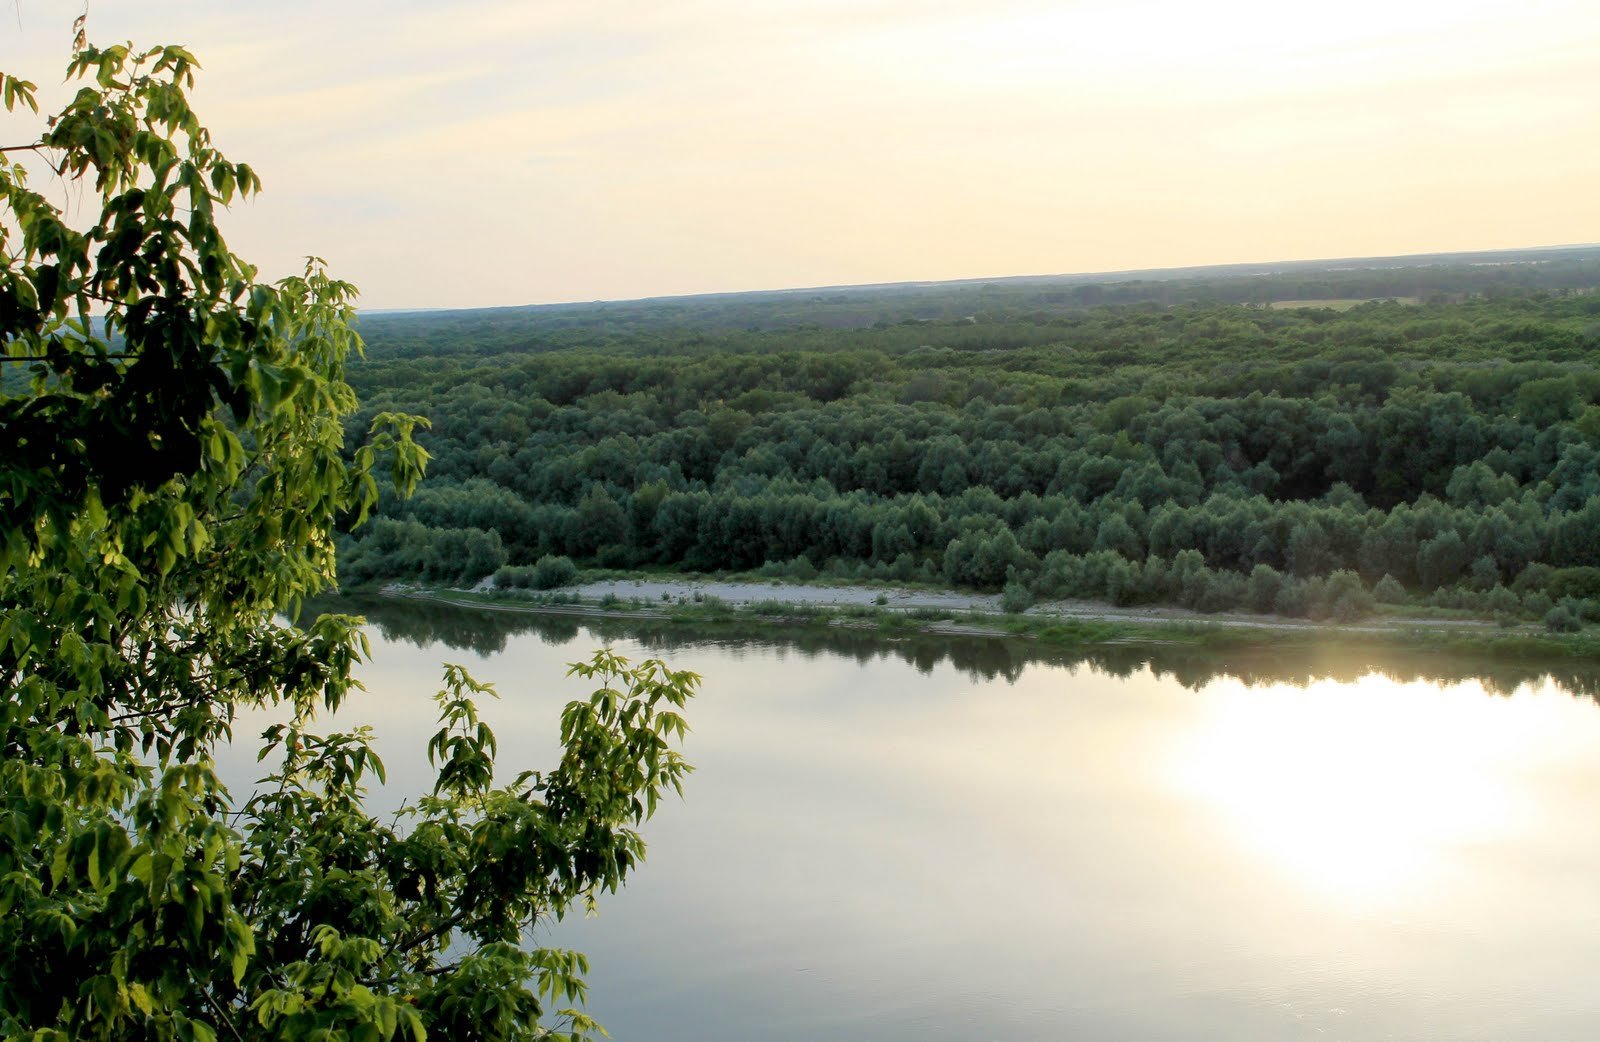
x: 492, y: 153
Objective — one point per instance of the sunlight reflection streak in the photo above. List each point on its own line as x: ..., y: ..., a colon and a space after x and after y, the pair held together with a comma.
x: 1372, y: 793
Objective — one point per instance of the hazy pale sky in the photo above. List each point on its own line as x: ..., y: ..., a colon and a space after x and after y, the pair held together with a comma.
x: 481, y: 152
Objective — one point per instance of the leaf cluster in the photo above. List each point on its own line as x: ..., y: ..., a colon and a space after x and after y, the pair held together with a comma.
x: 173, y: 465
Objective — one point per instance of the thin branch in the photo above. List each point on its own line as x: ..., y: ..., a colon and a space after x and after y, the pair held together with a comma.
x: 395, y: 978
x: 222, y: 1015
x: 118, y: 357
x: 429, y: 935
x: 165, y: 709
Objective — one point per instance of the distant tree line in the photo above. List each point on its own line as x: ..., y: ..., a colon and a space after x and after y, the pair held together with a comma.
x: 1426, y: 278
x: 1307, y: 462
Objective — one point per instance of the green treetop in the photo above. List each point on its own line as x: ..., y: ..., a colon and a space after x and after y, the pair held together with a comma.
x: 172, y: 467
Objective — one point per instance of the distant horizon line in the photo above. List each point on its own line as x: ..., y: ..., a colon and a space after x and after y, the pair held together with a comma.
x: 1239, y: 268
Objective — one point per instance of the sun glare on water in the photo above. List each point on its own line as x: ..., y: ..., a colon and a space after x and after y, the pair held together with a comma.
x: 1372, y: 792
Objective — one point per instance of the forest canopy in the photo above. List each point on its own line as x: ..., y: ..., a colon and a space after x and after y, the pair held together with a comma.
x: 1442, y: 444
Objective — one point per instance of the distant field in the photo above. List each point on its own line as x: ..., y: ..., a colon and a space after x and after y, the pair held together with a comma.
x: 1338, y: 305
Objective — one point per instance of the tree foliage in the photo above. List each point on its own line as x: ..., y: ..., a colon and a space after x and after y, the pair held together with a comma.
x: 173, y: 463
x: 1416, y: 441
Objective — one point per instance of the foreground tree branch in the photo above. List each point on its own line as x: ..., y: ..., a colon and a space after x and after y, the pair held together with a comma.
x: 173, y: 466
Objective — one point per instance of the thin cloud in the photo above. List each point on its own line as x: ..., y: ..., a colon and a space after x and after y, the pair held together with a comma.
x: 491, y: 152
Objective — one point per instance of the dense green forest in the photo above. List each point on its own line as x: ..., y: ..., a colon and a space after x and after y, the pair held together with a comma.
x: 1186, y: 444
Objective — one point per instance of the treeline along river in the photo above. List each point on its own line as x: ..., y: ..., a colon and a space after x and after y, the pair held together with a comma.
x: 977, y: 838
x: 1207, y: 453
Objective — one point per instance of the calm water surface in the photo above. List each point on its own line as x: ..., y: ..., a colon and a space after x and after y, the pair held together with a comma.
x: 961, y: 841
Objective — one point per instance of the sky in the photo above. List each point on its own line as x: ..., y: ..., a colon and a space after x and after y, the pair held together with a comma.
x: 479, y: 152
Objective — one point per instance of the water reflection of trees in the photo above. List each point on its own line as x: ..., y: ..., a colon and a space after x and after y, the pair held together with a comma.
x: 423, y: 623
x: 486, y: 632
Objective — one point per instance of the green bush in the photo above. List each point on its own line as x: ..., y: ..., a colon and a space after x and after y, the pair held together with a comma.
x: 1560, y: 620
x: 1505, y: 604
x: 550, y: 572
x: 513, y: 577
x: 1016, y: 598
x: 1344, y: 597
x: 1264, y: 585
x: 1582, y: 583
x: 1389, y: 591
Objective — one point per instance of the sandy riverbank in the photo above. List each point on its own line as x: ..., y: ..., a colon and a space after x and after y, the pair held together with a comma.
x: 655, y: 592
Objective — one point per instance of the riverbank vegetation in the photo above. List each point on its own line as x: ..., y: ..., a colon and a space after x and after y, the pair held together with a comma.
x: 1071, y: 628
x: 987, y: 647
x: 1214, y: 453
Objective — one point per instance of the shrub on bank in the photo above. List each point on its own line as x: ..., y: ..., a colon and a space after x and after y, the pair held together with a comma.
x: 1560, y: 620
x: 547, y: 573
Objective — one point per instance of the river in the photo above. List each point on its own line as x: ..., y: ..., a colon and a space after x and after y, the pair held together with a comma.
x: 969, y: 838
